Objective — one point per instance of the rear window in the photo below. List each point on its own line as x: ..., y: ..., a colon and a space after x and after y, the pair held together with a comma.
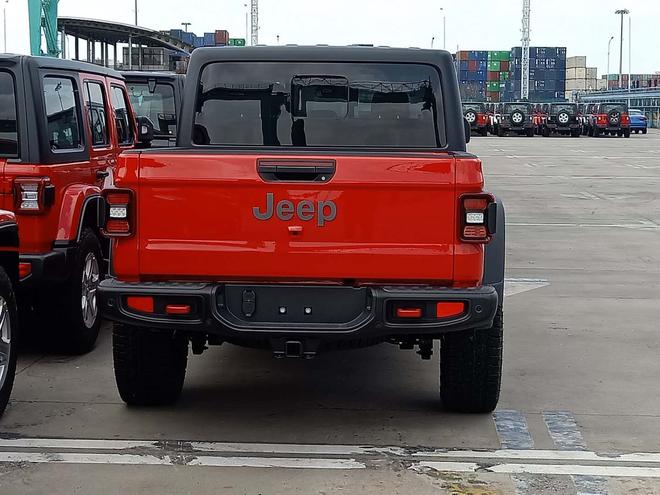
x: 312, y: 104
x: 511, y: 107
x: 477, y: 107
x: 564, y: 108
x: 8, y: 123
x: 608, y: 107
x: 156, y: 102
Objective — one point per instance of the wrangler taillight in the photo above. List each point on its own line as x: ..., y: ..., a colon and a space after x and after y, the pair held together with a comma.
x: 625, y: 119
x: 478, y: 218
x: 33, y: 195
x: 118, y: 214
x: 601, y: 119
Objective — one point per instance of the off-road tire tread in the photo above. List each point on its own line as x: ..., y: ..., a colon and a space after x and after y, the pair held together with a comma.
x: 7, y: 292
x: 150, y: 365
x: 471, y: 368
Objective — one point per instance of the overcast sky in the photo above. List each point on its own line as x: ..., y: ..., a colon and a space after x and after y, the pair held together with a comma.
x: 583, y: 26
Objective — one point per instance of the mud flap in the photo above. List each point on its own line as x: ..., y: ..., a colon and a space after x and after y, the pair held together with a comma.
x: 495, y: 255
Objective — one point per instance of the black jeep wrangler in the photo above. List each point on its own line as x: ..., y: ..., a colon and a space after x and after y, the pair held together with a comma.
x: 563, y: 119
x: 517, y: 118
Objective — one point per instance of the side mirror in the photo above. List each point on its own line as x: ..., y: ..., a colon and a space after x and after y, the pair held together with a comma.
x: 145, y: 132
x: 466, y: 126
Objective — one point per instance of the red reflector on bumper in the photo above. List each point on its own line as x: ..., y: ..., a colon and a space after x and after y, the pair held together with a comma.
x: 143, y: 304
x: 177, y: 309
x: 24, y: 270
x: 447, y: 309
x: 409, y: 312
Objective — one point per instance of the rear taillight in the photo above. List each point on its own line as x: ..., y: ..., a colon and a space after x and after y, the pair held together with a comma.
x: 33, y: 195
x: 118, y: 215
x: 601, y: 119
x: 478, y: 218
x: 625, y: 119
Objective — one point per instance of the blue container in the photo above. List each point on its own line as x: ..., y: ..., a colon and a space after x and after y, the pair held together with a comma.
x: 188, y: 38
x: 482, y: 65
x: 481, y: 75
x: 463, y: 64
x: 176, y: 33
x: 463, y: 75
x: 209, y: 39
x: 198, y: 41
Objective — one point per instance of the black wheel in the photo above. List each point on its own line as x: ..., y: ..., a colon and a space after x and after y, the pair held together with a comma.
x: 471, y: 368
x: 596, y: 132
x: 517, y: 118
x: 8, y: 338
x: 77, y: 312
x: 530, y: 132
x: 546, y: 132
x: 484, y: 132
x: 620, y: 133
x: 500, y: 131
x: 576, y: 133
x: 636, y: 131
x: 644, y: 131
x: 470, y: 116
x: 626, y: 133
x: 150, y: 365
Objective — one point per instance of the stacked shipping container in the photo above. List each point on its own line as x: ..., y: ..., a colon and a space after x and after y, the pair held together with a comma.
x: 547, y: 74
x: 472, y: 70
x: 218, y: 38
x: 579, y: 77
x: 498, y: 74
x: 638, y: 81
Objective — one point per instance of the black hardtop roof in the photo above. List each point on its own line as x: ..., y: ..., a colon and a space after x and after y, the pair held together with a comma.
x: 321, y: 53
x: 142, y: 75
x: 58, y: 63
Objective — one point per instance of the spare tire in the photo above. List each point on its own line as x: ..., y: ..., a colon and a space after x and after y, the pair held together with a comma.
x: 470, y: 116
x: 517, y: 118
x: 563, y: 118
x: 614, y: 118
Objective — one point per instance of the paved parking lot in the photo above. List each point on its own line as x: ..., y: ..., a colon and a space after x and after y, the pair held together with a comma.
x: 580, y: 392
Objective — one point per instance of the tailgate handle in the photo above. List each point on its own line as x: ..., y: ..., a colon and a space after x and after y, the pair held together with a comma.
x: 271, y: 171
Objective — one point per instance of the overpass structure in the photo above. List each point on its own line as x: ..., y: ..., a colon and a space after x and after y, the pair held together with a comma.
x: 104, y: 35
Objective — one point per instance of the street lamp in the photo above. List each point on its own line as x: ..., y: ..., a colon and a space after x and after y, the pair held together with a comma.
x: 444, y: 29
x: 246, y: 23
x: 609, y: 50
x: 621, y: 12
x: 432, y: 41
x: 185, y: 25
x: 4, y: 14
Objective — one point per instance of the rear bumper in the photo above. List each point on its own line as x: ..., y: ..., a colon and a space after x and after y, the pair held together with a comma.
x: 640, y: 125
x: 47, y: 268
x: 567, y: 127
x: 336, y: 313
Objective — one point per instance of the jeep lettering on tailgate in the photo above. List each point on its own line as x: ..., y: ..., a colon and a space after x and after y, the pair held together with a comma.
x: 306, y: 210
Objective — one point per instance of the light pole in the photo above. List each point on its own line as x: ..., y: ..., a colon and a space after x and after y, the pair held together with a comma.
x: 629, y: 55
x: 246, y: 23
x: 621, y: 12
x: 609, y: 50
x: 185, y: 25
x: 432, y: 41
x: 136, y: 19
x: 444, y: 29
x: 4, y: 14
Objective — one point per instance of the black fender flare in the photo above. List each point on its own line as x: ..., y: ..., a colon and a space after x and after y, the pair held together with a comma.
x: 495, y: 254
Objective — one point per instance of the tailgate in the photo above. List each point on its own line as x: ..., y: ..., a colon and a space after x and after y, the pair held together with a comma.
x: 234, y: 216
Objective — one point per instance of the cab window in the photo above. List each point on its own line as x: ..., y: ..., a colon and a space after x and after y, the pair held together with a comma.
x: 125, y: 131
x: 8, y: 122
x: 62, y: 111
x: 96, y: 110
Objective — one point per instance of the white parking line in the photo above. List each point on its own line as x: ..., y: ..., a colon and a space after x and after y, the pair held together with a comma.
x: 545, y: 469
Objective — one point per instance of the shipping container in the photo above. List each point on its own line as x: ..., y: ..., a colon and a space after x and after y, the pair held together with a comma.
x: 176, y: 33
x: 236, y: 42
x: 188, y: 38
x: 494, y: 66
x: 482, y: 65
x: 463, y: 55
x: 504, y: 66
x: 463, y: 65
x: 472, y: 66
x: 576, y: 73
x: 592, y: 72
x: 209, y: 39
x: 493, y: 76
x: 221, y: 37
x: 579, y: 62
x: 493, y: 86
x: 198, y: 41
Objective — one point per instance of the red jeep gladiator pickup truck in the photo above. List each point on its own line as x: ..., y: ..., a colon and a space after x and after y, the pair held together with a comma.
x: 318, y: 198
x: 62, y: 126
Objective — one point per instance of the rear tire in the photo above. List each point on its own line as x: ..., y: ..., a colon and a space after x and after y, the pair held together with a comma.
x: 484, y: 132
x: 471, y: 368
x: 8, y: 339
x: 530, y: 132
x: 500, y: 132
x: 626, y: 133
x: 576, y: 133
x: 546, y: 132
x: 644, y: 131
x: 150, y: 365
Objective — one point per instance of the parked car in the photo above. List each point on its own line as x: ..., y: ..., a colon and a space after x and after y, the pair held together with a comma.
x: 563, y: 119
x: 9, y: 331
x: 157, y: 97
x: 299, y: 229
x: 64, y: 125
x: 475, y: 114
x: 608, y: 119
x: 638, y: 121
x: 517, y: 118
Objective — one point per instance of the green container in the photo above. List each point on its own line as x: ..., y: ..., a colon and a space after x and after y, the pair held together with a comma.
x: 498, y: 56
x: 504, y: 76
x: 236, y: 42
x: 493, y: 66
x: 494, y: 86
